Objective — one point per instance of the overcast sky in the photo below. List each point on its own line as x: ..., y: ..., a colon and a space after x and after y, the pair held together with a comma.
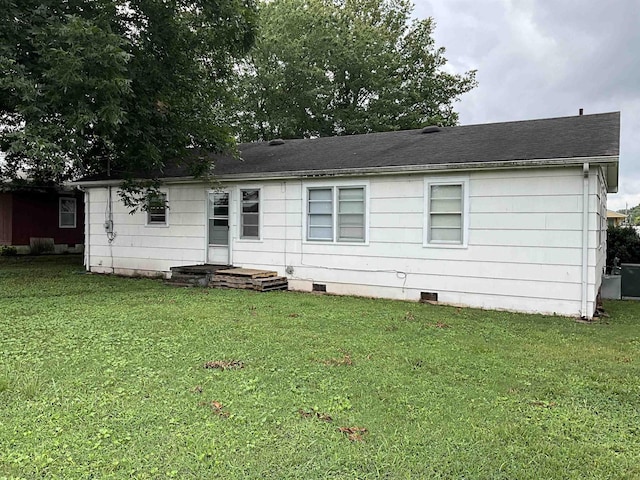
x: 548, y: 58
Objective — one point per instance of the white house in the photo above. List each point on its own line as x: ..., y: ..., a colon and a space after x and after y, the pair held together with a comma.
x: 501, y: 216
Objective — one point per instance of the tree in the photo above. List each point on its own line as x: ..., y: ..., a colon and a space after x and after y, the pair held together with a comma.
x: 125, y: 85
x: 623, y: 243
x: 633, y: 215
x: 337, y: 67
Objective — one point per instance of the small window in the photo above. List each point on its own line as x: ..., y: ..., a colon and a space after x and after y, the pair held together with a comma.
x: 157, y: 209
x: 250, y: 214
x: 320, y: 214
x: 67, y: 212
x: 446, y: 211
x: 351, y: 212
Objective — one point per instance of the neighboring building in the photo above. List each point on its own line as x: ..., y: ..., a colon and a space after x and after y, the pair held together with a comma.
x: 501, y: 216
x: 615, y: 219
x: 42, y: 219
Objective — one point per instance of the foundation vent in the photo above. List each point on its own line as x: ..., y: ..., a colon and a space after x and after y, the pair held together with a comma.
x: 319, y: 287
x: 428, y: 297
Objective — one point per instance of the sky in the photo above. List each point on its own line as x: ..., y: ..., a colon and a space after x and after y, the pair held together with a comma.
x: 547, y: 58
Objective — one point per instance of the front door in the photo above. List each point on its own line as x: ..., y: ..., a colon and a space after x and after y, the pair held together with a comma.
x: 218, y: 213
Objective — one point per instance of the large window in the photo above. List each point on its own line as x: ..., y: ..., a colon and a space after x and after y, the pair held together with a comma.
x: 67, y: 212
x: 250, y: 214
x: 446, y: 212
x: 157, y: 209
x: 336, y: 214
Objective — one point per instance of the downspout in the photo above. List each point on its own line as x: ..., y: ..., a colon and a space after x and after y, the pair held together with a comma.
x: 87, y: 231
x: 585, y: 239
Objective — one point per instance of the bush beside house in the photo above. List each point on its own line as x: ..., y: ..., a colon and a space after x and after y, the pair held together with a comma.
x: 623, y: 243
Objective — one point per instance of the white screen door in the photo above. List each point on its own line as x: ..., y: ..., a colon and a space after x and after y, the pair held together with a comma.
x: 218, y: 208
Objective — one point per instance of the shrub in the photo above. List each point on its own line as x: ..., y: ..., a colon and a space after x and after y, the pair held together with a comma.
x: 8, y: 251
x: 623, y: 243
x: 41, y: 245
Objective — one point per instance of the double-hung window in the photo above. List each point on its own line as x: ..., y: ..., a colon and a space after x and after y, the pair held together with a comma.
x: 157, y: 209
x: 336, y: 214
x: 67, y: 212
x: 446, y: 212
x: 250, y: 213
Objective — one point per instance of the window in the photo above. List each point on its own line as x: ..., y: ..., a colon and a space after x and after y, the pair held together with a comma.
x: 351, y: 214
x: 67, y: 212
x: 250, y: 214
x: 320, y: 220
x: 446, y: 212
x: 336, y: 214
x: 157, y: 209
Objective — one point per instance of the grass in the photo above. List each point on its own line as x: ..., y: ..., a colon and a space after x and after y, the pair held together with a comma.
x: 104, y: 377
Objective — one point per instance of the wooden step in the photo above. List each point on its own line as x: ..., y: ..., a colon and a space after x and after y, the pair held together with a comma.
x: 246, y: 272
x: 247, y: 282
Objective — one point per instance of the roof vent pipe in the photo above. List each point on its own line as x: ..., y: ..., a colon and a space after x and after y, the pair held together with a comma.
x: 430, y: 129
x: 581, y: 111
x: 276, y: 141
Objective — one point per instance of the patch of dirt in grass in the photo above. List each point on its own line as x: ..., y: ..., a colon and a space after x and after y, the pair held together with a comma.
x: 346, y: 360
x: 325, y: 417
x: 217, y: 408
x: 354, y: 434
x: 225, y: 364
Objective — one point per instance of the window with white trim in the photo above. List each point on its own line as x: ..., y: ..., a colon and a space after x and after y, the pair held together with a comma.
x: 250, y: 213
x: 336, y: 214
x: 67, y: 211
x: 445, y: 211
x: 157, y: 209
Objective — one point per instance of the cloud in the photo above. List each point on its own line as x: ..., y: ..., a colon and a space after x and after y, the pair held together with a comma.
x: 546, y: 59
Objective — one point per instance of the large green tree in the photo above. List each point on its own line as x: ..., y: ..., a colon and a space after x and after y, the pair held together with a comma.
x: 336, y: 67
x: 88, y: 85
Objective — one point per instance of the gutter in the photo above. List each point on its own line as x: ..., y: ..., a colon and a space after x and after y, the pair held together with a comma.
x: 585, y: 241
x: 386, y: 170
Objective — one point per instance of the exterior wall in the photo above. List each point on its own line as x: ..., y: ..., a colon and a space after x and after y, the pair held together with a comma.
x: 524, y: 249
x: 598, y: 211
x: 6, y: 208
x: 36, y: 214
x: 143, y: 249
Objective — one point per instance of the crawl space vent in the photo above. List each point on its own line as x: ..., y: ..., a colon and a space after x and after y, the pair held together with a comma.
x: 319, y: 287
x: 428, y: 297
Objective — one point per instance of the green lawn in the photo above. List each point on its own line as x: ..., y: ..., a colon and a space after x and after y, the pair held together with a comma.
x: 103, y: 377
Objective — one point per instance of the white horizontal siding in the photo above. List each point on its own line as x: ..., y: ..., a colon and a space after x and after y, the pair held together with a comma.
x: 524, y: 244
x: 139, y: 248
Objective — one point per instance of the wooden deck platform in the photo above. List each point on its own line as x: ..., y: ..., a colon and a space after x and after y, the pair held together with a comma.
x: 225, y: 276
x: 247, y: 278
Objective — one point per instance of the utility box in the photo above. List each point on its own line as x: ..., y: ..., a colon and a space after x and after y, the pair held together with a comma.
x: 611, y: 287
x: 630, y: 280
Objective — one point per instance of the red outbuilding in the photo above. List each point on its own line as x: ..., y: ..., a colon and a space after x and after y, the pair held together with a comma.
x: 42, y: 219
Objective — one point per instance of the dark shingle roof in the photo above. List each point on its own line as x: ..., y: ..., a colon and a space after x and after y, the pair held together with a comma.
x: 554, y: 138
x: 567, y: 137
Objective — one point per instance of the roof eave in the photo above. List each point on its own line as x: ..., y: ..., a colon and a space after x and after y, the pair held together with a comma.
x: 610, y: 161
